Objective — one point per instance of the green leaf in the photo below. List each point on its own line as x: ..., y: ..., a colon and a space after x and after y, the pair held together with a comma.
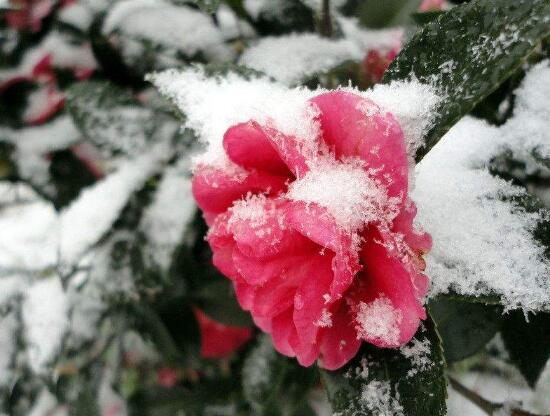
x: 277, y: 17
x: 407, y: 381
x: 528, y: 343
x: 218, y: 301
x: 466, y: 62
x: 426, y: 17
x: 166, y: 402
x: 382, y: 13
x: 464, y: 327
x: 85, y: 404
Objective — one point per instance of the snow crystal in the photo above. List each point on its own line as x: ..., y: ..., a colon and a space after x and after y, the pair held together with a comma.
x: 164, y: 221
x: 213, y: 104
x: 481, y: 244
x: 379, y: 319
x: 252, y: 209
x: 178, y: 27
x: 376, y: 396
x: 412, y: 103
x: 418, y: 352
x: 96, y: 209
x: 45, y: 321
x: 325, y: 321
x: 346, y: 190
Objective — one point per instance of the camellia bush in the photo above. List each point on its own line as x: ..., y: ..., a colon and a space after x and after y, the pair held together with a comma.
x: 274, y: 207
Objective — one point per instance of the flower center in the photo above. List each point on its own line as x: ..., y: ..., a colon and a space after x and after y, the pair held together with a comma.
x: 346, y: 191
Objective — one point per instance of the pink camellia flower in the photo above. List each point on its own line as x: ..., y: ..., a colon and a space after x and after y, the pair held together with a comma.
x: 319, y: 241
x: 219, y: 340
x: 167, y: 377
x: 29, y: 14
x: 431, y: 5
x: 376, y: 62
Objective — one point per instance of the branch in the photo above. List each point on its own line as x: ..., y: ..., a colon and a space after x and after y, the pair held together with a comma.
x: 325, y: 25
x: 488, y: 407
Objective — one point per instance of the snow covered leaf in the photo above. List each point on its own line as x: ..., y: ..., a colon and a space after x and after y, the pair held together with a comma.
x: 157, y: 34
x: 209, y: 6
x: 90, y: 216
x: 295, y: 58
x: 468, y: 62
x: 465, y: 327
x: 496, y: 243
x: 110, y: 117
x: 528, y: 343
x: 399, y: 382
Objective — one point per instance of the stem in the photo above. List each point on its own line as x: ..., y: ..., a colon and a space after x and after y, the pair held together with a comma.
x: 325, y: 25
x: 485, y: 405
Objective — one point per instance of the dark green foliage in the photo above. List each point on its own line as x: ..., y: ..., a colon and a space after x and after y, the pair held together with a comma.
x: 527, y: 339
x: 69, y: 176
x: 468, y: 62
x: 465, y: 327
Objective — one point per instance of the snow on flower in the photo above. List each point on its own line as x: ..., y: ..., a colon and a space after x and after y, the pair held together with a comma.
x: 317, y: 234
x: 219, y: 340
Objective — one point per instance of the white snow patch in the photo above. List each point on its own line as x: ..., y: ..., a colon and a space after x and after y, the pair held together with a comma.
x: 77, y: 15
x: 418, y: 352
x: 29, y: 236
x: 165, y: 220
x: 347, y: 191
x: 213, y: 104
x: 528, y: 129
x: 376, y: 396
x: 45, y: 321
x: 379, y: 319
x: 482, y: 244
x: 412, y: 103
x: 293, y: 58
